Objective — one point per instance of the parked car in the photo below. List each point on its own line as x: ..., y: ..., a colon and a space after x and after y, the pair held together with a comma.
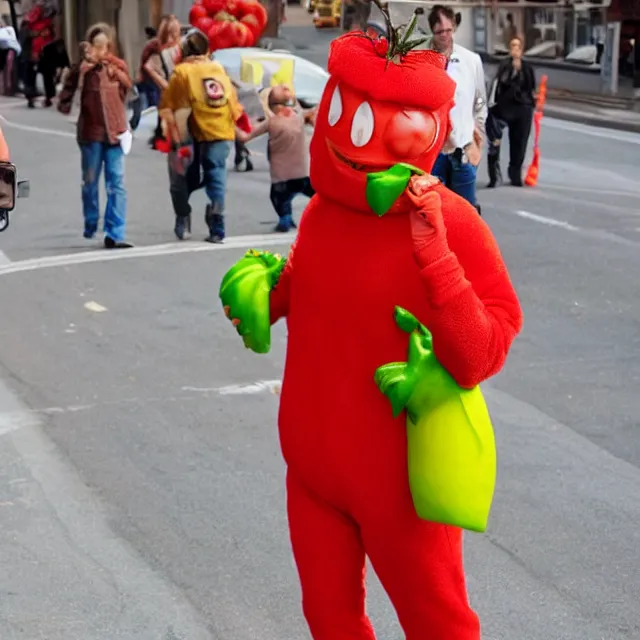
x: 309, y: 79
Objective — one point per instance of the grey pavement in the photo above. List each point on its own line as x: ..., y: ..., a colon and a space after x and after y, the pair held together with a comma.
x: 142, y: 490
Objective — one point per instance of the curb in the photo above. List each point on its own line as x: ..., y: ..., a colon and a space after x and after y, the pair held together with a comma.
x: 591, y: 119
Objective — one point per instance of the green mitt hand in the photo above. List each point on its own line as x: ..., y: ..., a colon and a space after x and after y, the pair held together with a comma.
x: 245, y: 292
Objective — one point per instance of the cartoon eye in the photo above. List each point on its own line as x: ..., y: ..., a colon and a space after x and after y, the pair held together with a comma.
x: 335, y: 107
x: 362, y: 125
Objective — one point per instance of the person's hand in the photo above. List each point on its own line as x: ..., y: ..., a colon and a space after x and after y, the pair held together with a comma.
x: 427, y: 224
x: 478, y: 138
x: 474, y: 154
x: 310, y: 115
x: 111, y: 71
x: 85, y: 66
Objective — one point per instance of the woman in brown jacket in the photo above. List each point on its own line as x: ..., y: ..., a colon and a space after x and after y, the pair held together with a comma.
x: 103, y: 82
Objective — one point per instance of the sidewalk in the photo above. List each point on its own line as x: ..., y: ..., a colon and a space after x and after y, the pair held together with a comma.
x: 599, y: 110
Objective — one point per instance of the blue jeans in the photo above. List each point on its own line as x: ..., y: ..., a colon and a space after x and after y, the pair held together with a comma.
x: 459, y: 176
x: 94, y: 155
x: 149, y: 93
x: 214, y: 165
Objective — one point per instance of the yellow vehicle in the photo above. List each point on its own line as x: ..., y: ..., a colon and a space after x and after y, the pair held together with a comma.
x: 327, y: 13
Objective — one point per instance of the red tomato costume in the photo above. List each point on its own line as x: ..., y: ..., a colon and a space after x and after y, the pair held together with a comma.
x: 430, y: 253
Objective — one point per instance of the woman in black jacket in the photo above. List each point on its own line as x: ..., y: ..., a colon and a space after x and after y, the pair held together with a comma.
x: 512, y: 100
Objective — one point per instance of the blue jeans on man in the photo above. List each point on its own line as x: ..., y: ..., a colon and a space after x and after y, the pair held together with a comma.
x: 95, y: 155
x: 457, y: 174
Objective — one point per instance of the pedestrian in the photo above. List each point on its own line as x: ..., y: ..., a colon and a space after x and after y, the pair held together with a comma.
x: 287, y: 150
x: 201, y: 87
x: 512, y: 104
x: 457, y: 164
x: 36, y: 32
x: 153, y: 74
x: 103, y: 81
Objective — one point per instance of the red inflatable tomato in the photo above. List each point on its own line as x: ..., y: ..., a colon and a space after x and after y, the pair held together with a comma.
x: 197, y: 13
x: 242, y: 34
x: 204, y: 24
x: 214, y: 6
x: 229, y: 23
x: 255, y: 9
x: 221, y: 35
x: 255, y: 29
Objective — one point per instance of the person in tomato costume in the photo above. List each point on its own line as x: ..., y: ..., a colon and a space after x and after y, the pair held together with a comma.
x: 379, y: 232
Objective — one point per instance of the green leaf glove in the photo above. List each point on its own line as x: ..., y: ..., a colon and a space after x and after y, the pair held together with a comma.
x: 450, y: 439
x: 385, y: 187
x: 245, y: 292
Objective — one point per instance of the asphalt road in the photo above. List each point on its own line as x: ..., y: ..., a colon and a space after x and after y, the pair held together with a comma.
x: 141, y: 484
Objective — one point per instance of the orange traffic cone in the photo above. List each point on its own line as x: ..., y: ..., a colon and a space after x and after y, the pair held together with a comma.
x: 531, y: 178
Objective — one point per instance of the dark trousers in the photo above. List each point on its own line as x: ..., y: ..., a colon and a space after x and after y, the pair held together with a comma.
x: 283, y: 193
x: 518, y: 119
x: 48, y: 76
x: 181, y: 186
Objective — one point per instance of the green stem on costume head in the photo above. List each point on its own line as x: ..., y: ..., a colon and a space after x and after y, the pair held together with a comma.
x: 399, y: 45
x: 450, y: 441
x: 245, y: 292
x: 385, y: 187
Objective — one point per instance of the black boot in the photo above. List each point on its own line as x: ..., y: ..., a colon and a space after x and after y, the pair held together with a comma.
x: 215, y: 221
x: 110, y: 243
x: 183, y: 227
x: 495, y: 175
x: 515, y: 175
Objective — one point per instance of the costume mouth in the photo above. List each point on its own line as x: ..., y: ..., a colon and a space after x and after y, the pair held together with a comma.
x: 352, y: 164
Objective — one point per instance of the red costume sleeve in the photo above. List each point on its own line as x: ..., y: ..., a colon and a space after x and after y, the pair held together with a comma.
x: 476, y: 312
x: 279, y: 298
x: 243, y: 123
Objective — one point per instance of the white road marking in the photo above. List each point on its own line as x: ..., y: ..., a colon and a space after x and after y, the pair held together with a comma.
x: 551, y: 222
x: 597, y: 192
x: 72, y: 134
x: 4, y: 259
x: 597, y: 234
x: 591, y: 130
x: 94, y: 306
x: 28, y: 127
x: 261, y: 386
x: 237, y: 242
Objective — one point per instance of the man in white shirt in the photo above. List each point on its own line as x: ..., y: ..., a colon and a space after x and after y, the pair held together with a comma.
x: 457, y: 164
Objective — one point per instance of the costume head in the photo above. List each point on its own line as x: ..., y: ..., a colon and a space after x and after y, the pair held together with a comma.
x: 381, y: 107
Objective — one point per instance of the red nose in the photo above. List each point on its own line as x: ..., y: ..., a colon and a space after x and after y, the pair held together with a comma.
x: 409, y: 134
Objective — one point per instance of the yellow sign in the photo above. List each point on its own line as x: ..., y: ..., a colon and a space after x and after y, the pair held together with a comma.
x: 267, y: 71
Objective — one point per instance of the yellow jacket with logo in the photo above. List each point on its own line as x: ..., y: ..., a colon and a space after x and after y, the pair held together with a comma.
x: 202, y: 85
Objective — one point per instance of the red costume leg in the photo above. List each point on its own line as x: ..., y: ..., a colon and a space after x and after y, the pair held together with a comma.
x: 331, y: 564
x: 420, y: 566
